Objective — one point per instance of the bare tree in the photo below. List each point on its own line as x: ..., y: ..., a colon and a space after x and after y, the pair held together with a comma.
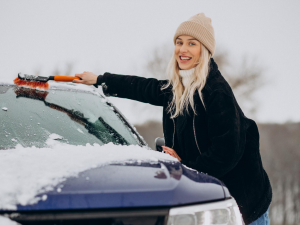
x: 158, y: 62
x: 66, y: 72
x: 57, y: 71
x: 245, y: 77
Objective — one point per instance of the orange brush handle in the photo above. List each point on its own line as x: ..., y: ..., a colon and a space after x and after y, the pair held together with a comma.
x: 65, y: 78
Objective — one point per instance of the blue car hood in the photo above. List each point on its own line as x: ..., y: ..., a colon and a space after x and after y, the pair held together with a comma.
x: 132, y: 184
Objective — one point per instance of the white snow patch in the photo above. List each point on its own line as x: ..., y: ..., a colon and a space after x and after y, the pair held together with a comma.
x: 7, y: 221
x: 80, y: 131
x: 55, y: 137
x: 44, y: 197
x: 74, y: 86
x: 28, y: 172
x: 4, y: 109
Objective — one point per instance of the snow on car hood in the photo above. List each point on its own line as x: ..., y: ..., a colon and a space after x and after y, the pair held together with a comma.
x: 6, y: 221
x: 27, y: 172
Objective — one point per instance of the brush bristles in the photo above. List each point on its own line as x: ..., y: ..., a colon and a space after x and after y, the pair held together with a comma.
x: 31, y: 84
x: 31, y: 93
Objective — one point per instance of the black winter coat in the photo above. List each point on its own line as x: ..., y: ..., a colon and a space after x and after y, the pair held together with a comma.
x: 227, y: 141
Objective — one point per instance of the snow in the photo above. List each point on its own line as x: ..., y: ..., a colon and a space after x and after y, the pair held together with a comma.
x: 7, y: 221
x: 80, y: 131
x: 82, y: 87
x: 28, y: 172
x: 55, y: 137
x: 44, y: 197
x: 64, y: 85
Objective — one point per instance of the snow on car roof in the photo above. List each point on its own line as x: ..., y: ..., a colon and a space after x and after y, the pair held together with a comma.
x: 65, y: 86
x: 28, y: 172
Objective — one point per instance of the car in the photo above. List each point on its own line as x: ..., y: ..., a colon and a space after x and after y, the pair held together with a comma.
x: 136, y: 186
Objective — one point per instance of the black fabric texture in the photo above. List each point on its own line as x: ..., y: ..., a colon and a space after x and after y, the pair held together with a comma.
x: 99, y: 79
x: 228, y: 141
x: 185, y: 146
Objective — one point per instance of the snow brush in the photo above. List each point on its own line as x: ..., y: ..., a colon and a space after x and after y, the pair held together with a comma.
x: 38, y: 82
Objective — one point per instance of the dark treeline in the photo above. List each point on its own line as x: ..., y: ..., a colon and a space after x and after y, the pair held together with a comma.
x: 280, y: 151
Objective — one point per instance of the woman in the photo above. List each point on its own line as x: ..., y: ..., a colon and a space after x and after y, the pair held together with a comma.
x: 203, y: 125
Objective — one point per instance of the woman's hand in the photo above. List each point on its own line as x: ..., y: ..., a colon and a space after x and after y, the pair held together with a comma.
x: 87, y: 78
x: 171, y: 152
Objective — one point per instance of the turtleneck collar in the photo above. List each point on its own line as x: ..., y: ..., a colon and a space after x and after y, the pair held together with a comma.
x: 186, y: 75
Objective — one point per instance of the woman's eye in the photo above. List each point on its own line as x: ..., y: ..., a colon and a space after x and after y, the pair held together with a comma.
x: 179, y: 42
x: 192, y: 43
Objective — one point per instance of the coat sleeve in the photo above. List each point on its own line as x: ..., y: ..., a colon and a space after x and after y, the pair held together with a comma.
x: 147, y: 90
x: 226, y: 135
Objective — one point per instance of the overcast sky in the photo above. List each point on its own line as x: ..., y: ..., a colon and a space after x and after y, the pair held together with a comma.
x: 118, y: 36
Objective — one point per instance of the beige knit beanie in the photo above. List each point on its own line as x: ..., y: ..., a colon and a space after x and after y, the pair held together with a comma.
x: 199, y: 27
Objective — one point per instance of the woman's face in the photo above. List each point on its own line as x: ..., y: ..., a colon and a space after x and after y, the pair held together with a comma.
x: 187, y: 52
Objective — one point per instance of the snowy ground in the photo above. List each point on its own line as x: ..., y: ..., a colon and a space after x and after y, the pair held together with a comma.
x: 27, y: 172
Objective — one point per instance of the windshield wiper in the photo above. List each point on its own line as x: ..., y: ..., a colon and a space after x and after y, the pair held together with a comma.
x: 77, y: 116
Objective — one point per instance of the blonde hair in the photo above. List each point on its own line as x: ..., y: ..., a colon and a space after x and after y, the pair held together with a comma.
x: 184, y: 96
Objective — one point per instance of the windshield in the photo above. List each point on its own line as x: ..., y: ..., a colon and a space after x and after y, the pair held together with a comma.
x: 31, y: 117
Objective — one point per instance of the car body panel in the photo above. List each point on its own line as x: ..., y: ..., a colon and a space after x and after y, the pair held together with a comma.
x: 133, y: 184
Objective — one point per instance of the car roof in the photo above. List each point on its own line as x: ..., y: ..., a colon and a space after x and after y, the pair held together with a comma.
x: 65, y: 86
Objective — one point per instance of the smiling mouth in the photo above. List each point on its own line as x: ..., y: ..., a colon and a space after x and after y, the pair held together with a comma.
x: 185, y: 58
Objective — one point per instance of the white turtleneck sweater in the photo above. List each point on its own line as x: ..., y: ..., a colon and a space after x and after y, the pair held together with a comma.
x: 186, y: 76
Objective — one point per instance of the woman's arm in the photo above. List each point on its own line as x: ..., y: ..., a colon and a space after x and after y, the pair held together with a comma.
x: 226, y: 133
x: 147, y: 90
